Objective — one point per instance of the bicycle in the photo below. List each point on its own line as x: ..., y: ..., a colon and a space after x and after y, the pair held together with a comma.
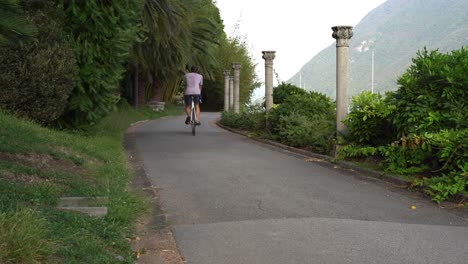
x: 193, y: 115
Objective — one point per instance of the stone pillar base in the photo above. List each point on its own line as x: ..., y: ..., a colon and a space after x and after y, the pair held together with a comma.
x: 157, y: 105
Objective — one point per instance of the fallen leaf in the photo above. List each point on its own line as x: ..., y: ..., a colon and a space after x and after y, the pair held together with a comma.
x: 313, y: 159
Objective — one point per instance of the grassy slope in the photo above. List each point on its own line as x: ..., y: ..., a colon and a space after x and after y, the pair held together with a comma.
x: 39, y: 165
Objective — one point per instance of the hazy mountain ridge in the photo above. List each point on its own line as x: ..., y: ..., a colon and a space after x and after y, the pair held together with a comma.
x: 395, y: 30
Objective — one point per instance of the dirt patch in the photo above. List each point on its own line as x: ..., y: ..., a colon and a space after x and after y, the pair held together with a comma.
x: 155, y: 241
x: 43, y: 162
x: 23, y: 178
x: 74, y: 155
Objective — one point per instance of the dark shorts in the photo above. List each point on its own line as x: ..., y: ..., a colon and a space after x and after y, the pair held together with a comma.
x: 188, y: 99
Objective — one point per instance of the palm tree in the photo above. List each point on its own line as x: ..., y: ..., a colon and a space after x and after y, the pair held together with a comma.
x: 175, y: 35
x: 207, y: 34
x: 161, y: 53
x: 13, y: 25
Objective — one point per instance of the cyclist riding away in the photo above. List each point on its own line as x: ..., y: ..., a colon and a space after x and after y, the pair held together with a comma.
x: 193, y: 82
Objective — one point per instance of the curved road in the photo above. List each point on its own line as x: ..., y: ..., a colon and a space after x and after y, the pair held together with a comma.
x: 232, y: 200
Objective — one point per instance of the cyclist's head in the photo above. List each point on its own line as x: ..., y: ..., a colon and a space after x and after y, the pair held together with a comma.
x: 194, y: 69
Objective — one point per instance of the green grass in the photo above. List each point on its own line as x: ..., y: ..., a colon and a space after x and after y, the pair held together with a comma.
x: 24, y: 237
x: 40, y: 165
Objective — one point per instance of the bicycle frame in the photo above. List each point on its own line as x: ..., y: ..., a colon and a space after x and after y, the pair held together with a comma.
x: 193, y: 116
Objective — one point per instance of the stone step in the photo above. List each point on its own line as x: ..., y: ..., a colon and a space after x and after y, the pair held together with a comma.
x: 82, y: 201
x: 92, y: 206
x: 91, y: 211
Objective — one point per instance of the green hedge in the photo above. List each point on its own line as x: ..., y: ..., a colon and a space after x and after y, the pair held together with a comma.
x: 103, y: 33
x: 38, y: 76
x: 433, y: 93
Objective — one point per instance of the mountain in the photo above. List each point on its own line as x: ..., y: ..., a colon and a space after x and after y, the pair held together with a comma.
x: 394, y: 32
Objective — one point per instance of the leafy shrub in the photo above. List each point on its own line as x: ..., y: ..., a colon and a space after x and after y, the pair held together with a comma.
x: 431, y: 153
x: 311, y: 105
x: 441, y: 152
x: 304, y: 120
x: 433, y: 93
x: 439, y: 157
x: 251, y: 117
x: 356, y: 151
x: 406, y: 161
x: 38, y: 76
x: 103, y: 33
x: 429, y: 112
x: 394, y: 159
x: 368, y: 122
x: 302, y: 131
x: 23, y: 238
x: 449, y: 147
x: 284, y: 90
x: 445, y: 186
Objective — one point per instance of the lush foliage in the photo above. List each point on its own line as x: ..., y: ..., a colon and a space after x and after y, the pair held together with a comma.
x: 421, y: 129
x: 103, y: 50
x: 251, y: 117
x: 303, y: 119
x: 231, y: 50
x: 433, y: 93
x: 103, y: 33
x: 176, y: 35
x: 38, y: 75
x: 315, y: 132
x: 14, y: 25
x: 368, y: 122
x: 443, y: 187
x: 284, y: 90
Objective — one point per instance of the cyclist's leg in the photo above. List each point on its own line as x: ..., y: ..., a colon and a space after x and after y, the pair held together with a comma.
x: 197, y: 107
x: 188, y: 103
x: 197, y: 111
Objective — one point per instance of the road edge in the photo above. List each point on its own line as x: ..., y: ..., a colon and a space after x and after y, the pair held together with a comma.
x: 156, y: 243
x: 343, y: 164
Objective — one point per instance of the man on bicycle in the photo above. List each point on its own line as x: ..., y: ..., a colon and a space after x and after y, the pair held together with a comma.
x: 193, y: 82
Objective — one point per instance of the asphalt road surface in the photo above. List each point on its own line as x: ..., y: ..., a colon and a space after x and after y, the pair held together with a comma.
x: 232, y: 200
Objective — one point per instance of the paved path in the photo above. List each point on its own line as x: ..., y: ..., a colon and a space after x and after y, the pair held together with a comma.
x: 231, y: 200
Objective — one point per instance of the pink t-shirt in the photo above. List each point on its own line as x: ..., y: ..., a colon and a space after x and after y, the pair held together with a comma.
x: 193, y: 81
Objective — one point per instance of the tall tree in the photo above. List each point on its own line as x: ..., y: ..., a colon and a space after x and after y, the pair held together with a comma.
x: 103, y: 33
x: 162, y: 53
x: 176, y: 34
x: 231, y: 50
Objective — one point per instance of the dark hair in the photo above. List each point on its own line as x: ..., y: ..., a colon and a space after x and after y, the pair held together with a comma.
x: 194, y: 69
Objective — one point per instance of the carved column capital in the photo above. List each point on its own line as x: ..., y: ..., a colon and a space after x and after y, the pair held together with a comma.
x: 342, y: 34
x: 227, y: 73
x: 268, y: 56
x: 236, y: 65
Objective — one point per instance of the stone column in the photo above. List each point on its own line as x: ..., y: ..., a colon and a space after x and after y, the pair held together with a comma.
x: 342, y: 34
x: 231, y: 93
x: 236, y: 66
x: 268, y: 56
x: 226, y: 89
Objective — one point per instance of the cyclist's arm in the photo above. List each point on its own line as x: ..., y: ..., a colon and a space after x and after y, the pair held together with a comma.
x: 201, y: 84
x: 185, y: 84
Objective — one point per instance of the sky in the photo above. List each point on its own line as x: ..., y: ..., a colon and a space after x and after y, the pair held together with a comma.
x: 296, y: 29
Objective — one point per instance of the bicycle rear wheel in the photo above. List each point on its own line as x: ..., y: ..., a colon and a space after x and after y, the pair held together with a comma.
x: 193, y: 121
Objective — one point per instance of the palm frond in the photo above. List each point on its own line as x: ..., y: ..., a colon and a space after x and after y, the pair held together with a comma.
x: 13, y: 25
